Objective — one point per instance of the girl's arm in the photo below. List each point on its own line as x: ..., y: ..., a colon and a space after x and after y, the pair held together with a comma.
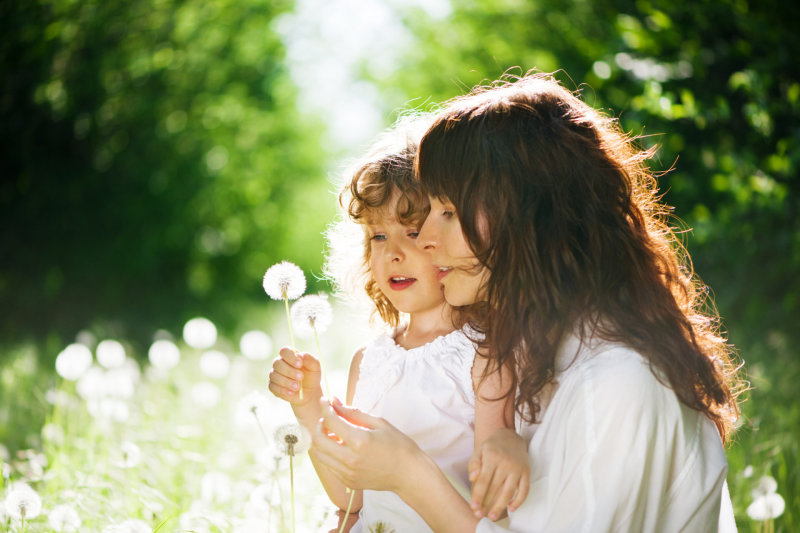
x: 364, y: 451
x: 499, y: 468
x: 293, y: 370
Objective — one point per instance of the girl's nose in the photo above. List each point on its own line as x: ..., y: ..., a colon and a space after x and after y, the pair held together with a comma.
x: 427, y: 239
x: 394, y: 253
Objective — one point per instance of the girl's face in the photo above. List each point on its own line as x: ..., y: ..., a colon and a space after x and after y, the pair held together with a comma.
x: 459, y: 271
x: 403, y: 272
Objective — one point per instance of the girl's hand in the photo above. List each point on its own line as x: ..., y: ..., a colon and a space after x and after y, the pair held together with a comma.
x: 500, y: 474
x: 292, y: 370
x: 363, y: 451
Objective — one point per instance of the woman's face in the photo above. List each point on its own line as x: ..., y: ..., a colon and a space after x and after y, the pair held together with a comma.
x: 460, y: 272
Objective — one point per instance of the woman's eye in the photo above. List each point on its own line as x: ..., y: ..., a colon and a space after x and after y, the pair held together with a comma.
x: 413, y: 234
x: 448, y: 213
x: 378, y: 237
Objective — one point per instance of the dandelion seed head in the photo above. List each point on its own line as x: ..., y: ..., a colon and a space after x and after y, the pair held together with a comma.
x: 205, y: 394
x: 214, y: 364
x: 73, y: 361
x: 64, y: 519
x: 22, y: 502
x: 130, y: 453
x: 110, y: 353
x: 92, y: 384
x: 766, y: 485
x: 292, y: 439
x: 119, y: 382
x: 312, y: 312
x: 256, y: 345
x: 251, y: 409
x: 200, y: 333
x: 766, y: 507
x: 164, y: 354
x: 284, y: 280
x: 260, y: 500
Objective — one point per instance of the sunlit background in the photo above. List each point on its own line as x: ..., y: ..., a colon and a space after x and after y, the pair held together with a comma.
x: 158, y: 156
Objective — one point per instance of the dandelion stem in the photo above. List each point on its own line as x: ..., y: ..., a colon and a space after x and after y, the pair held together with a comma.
x: 321, y: 366
x: 260, y: 427
x: 291, y: 486
x: 349, y: 506
x: 291, y: 336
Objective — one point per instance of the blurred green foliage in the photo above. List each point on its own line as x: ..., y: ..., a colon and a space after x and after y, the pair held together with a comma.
x: 154, y: 164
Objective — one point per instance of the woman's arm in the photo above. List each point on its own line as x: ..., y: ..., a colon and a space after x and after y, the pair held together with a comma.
x: 366, y: 452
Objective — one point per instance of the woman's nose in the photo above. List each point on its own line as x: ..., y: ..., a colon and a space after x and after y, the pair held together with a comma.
x: 427, y: 239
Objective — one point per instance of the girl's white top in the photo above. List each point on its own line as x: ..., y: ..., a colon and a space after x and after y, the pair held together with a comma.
x: 427, y: 393
x: 615, y: 450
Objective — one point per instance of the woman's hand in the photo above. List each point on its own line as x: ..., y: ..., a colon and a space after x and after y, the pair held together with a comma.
x: 500, y: 474
x: 292, y: 370
x: 364, y: 451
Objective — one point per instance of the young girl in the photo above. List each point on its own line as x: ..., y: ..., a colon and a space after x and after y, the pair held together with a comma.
x: 545, y: 223
x: 420, y: 375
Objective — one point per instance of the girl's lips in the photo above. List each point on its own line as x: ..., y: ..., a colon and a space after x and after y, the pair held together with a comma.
x: 400, y: 283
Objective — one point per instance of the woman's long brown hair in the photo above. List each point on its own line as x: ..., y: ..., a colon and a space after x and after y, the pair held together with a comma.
x: 577, y: 241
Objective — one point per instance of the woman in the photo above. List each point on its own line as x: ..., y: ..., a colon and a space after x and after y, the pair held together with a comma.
x: 547, y: 231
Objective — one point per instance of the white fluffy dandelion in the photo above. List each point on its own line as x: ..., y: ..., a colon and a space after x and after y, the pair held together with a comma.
x: 256, y: 345
x: 206, y: 394
x: 200, y: 333
x: 164, y: 354
x: 284, y: 281
x: 64, y: 519
x: 766, y: 507
x: 130, y: 454
x: 22, y: 502
x: 214, y: 364
x: 312, y: 314
x: 73, y: 361
x: 766, y: 485
x: 292, y: 439
x: 110, y: 353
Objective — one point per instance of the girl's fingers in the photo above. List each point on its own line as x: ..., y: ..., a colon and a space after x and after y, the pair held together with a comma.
x: 474, y: 466
x: 479, y: 490
x: 289, y: 383
x: 292, y: 357
x: 504, y: 495
x: 522, y: 492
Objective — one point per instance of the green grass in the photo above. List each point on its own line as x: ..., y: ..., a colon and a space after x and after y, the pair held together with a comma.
x: 174, y: 464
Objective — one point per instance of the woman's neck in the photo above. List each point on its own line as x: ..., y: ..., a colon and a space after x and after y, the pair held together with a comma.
x: 425, y: 326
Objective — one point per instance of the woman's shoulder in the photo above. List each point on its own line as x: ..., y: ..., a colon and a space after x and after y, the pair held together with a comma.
x: 614, y: 373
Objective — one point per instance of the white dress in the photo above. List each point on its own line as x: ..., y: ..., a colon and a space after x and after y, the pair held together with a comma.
x: 615, y: 450
x: 426, y: 393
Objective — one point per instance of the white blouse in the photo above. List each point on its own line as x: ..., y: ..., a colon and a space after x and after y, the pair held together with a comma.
x: 615, y: 450
x: 427, y: 393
